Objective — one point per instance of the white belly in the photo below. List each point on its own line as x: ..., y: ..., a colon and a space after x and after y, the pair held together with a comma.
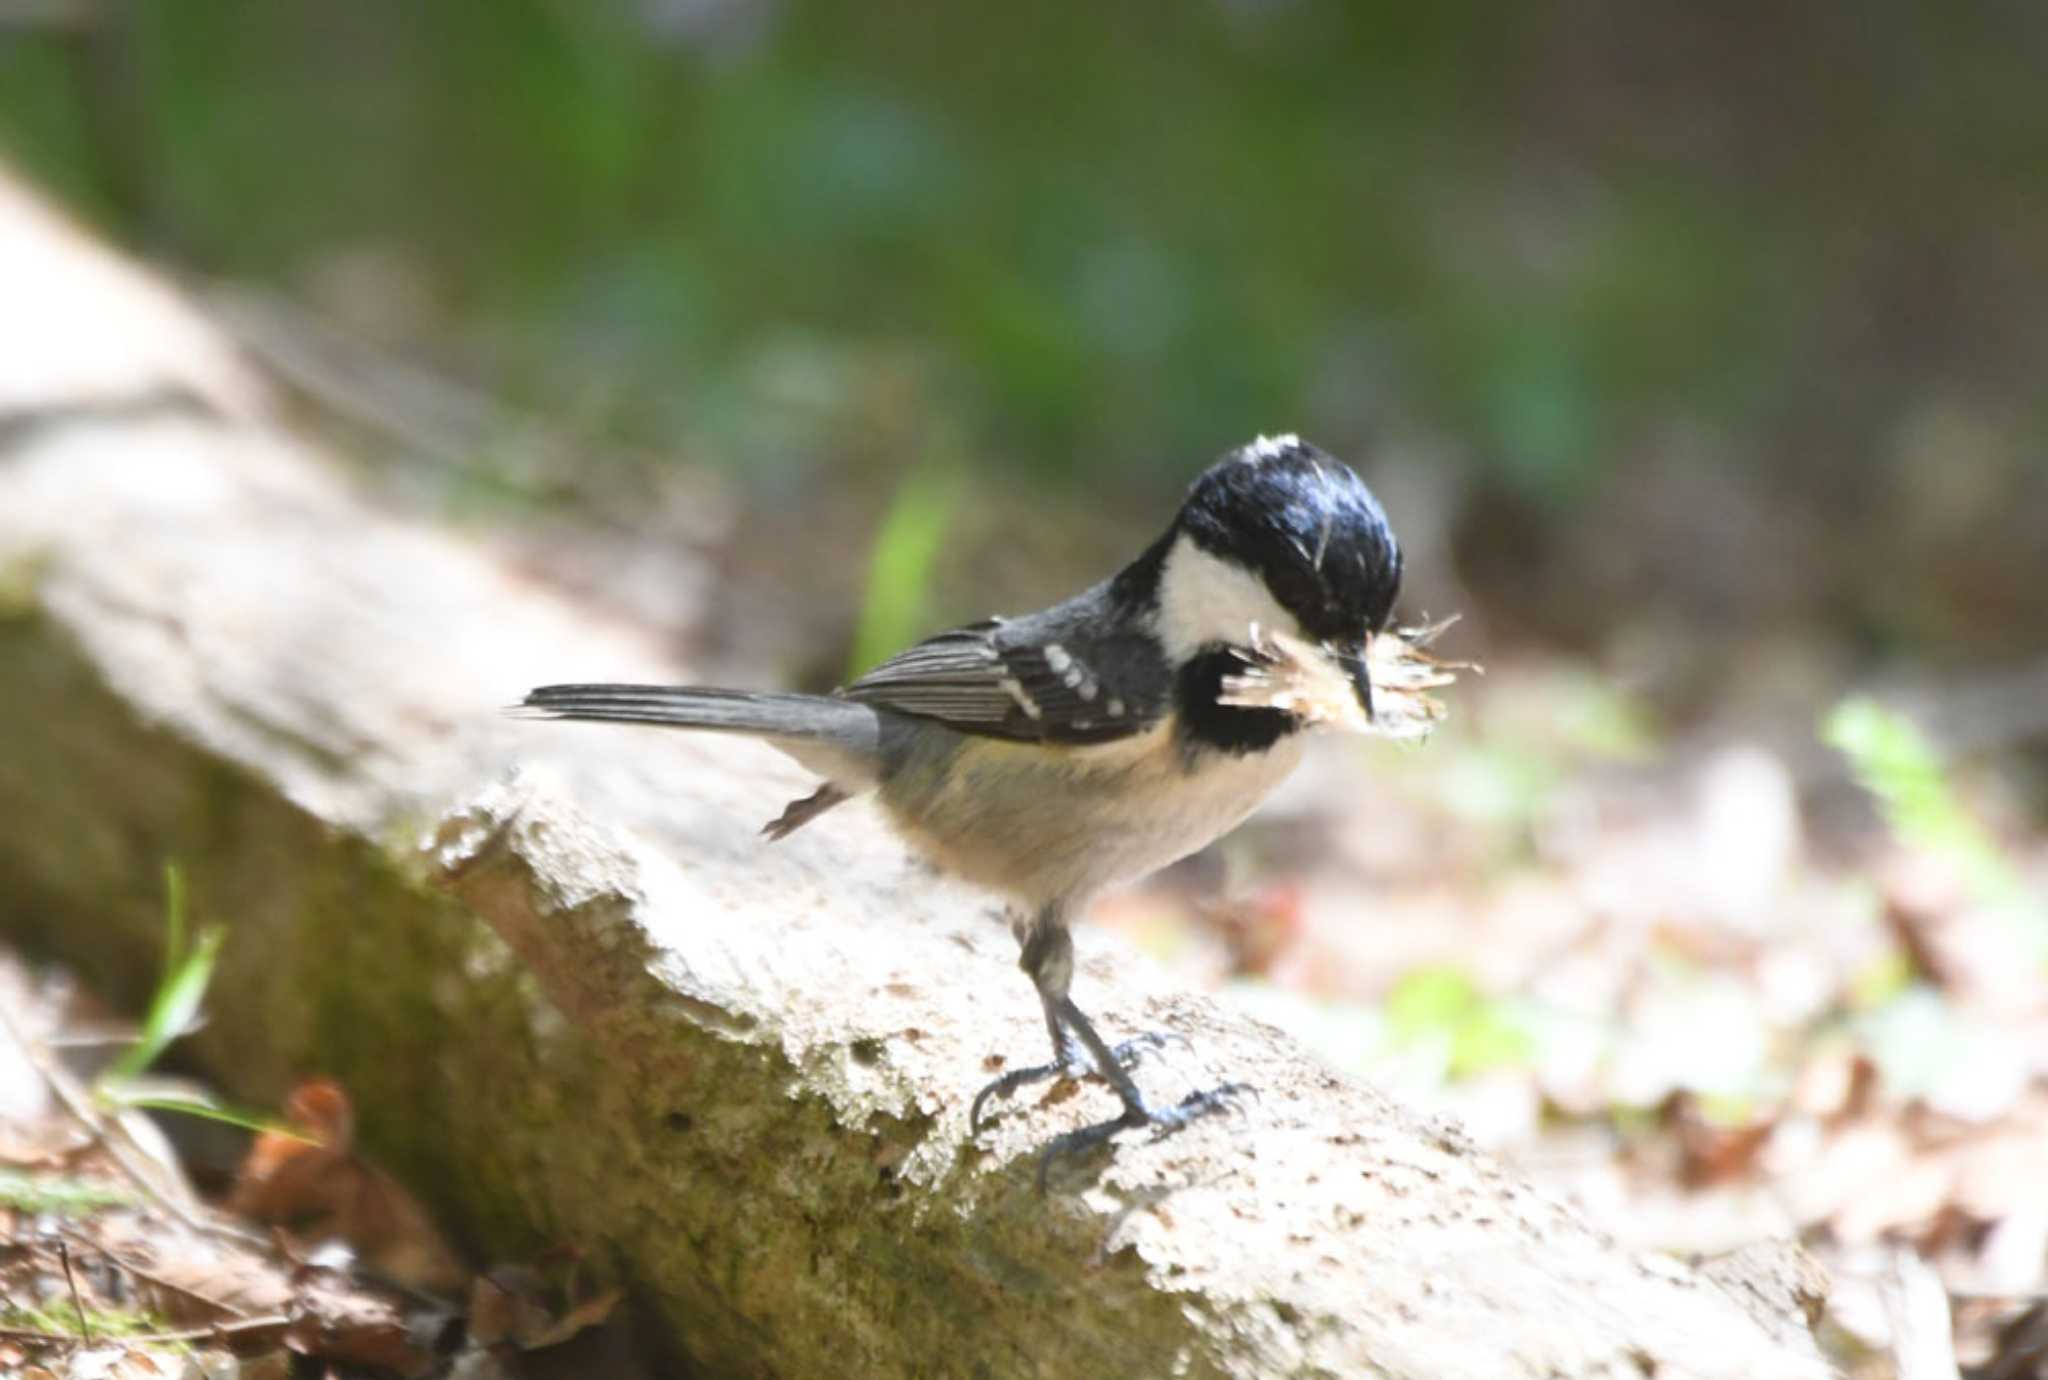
x: 1055, y: 825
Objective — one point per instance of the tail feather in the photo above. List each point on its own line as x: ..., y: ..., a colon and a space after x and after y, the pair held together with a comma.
x: 680, y: 706
x: 836, y: 738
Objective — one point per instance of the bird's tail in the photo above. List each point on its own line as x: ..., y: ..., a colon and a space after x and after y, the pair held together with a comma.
x: 836, y: 738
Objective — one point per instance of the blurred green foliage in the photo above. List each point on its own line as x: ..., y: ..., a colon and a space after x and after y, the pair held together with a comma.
x: 1442, y: 1005
x: 1903, y: 770
x: 61, y: 1197
x: 899, y: 572
x: 1573, y: 238
x: 1893, y: 760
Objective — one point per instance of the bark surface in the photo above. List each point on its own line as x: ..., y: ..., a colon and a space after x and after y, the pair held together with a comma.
x: 579, y: 1000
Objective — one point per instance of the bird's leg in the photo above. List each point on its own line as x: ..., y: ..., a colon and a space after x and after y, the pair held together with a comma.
x: 1137, y: 1112
x: 1048, y: 958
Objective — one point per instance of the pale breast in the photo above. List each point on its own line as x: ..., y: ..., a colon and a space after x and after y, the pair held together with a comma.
x: 1057, y: 824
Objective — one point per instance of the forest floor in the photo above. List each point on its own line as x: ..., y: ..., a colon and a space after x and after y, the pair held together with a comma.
x: 1711, y: 993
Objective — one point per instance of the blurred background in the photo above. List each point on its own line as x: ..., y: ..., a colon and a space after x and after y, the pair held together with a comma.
x: 1723, y: 324
x: 1697, y: 352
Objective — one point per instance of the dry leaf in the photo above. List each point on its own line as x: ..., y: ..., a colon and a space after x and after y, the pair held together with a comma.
x: 192, y: 1281
x: 515, y: 1304
x: 1709, y: 1153
x: 338, y: 1321
x: 318, y: 1189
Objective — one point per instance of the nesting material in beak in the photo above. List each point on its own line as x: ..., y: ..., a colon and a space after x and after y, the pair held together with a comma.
x: 1319, y: 684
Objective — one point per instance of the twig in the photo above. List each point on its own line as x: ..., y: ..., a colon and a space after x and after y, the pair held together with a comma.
x: 64, y: 1257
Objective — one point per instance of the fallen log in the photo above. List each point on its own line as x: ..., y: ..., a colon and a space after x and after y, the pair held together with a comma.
x: 578, y: 1000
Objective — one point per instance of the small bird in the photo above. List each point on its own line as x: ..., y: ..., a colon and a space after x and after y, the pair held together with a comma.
x: 1048, y: 756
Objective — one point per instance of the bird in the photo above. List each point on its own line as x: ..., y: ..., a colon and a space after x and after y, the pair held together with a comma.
x: 1049, y: 756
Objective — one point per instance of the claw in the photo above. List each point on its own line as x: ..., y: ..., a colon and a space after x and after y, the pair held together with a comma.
x: 1128, y: 1053
x: 1163, y: 1121
x: 1023, y: 1078
x: 1200, y: 1104
x: 1075, y: 1066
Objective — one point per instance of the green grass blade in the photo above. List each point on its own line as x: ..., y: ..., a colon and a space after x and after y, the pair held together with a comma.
x: 173, y: 1006
x: 174, y: 918
x: 899, y: 573
x: 199, y: 1105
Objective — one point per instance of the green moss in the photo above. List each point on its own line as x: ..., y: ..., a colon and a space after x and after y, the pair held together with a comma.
x: 59, y: 1195
x: 21, y: 581
x: 64, y: 1320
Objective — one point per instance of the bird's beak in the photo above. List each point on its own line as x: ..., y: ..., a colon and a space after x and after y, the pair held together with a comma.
x: 1355, y: 666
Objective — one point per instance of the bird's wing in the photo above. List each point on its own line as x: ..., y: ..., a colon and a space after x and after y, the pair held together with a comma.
x: 1034, y: 680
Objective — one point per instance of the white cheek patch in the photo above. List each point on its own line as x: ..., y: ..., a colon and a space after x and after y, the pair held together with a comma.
x: 1203, y: 599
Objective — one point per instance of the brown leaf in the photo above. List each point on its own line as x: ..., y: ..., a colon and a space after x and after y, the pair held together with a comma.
x: 2021, y: 1350
x: 318, y: 1189
x: 192, y: 1280
x: 515, y: 1304
x: 1709, y: 1153
x: 1974, y: 952
x: 340, y: 1322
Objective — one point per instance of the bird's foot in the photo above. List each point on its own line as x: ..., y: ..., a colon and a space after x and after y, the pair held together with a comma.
x: 1076, y: 1065
x: 1164, y: 1121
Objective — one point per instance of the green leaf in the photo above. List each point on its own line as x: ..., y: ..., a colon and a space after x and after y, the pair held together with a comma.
x: 1440, y: 1002
x: 1491, y: 1039
x: 173, y: 1007
x: 1430, y: 999
x: 1881, y: 981
x: 174, y: 920
x: 900, y: 571
x: 199, y: 1104
x: 1894, y: 760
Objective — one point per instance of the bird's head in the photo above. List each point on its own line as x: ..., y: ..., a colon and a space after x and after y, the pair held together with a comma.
x: 1285, y: 536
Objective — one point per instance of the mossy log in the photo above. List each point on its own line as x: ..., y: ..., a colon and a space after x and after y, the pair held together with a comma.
x: 578, y: 1000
